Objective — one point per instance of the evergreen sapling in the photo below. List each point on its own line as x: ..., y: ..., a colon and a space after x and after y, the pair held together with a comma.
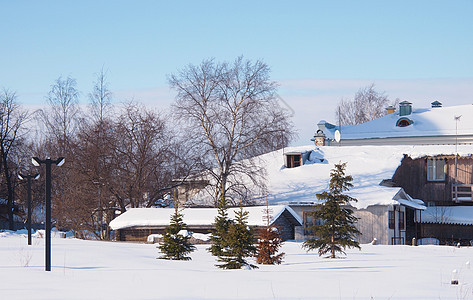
x: 337, y: 229
x: 239, y: 243
x: 175, y: 245
x: 269, y: 242
x: 219, y: 235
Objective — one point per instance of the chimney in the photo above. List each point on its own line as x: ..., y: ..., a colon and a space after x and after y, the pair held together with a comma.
x: 436, y: 104
x: 319, y: 138
x: 390, y: 109
x: 405, y: 108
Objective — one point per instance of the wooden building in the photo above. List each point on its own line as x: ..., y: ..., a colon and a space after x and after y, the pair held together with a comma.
x: 137, y: 224
x: 445, y: 183
x: 439, y: 180
x: 450, y: 225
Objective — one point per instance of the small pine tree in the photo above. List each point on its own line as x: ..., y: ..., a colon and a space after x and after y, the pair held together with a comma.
x: 174, y: 245
x: 269, y: 242
x: 222, y: 223
x: 239, y: 243
x: 338, y: 230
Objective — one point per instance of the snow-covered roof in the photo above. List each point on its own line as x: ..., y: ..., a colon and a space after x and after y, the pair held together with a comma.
x: 459, y: 215
x: 137, y: 217
x: 439, y: 121
x: 368, y: 165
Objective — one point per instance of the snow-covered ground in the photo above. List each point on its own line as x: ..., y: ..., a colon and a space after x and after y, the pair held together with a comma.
x: 112, y: 270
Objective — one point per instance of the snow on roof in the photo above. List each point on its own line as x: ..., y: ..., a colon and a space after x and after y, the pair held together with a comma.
x: 460, y: 215
x: 368, y: 165
x: 426, y: 122
x: 194, y: 216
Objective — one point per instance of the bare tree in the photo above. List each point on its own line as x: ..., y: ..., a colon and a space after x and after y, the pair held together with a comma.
x: 230, y: 111
x: 100, y: 98
x: 89, y: 175
x: 368, y: 104
x: 99, y: 139
x: 142, y: 157
x: 61, y: 119
x: 12, y: 118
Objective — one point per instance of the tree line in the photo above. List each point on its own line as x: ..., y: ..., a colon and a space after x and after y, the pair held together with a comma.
x: 126, y: 155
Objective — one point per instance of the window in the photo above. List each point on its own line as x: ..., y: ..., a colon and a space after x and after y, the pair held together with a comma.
x: 404, y: 122
x: 402, y: 224
x: 293, y: 160
x: 391, y: 219
x: 309, y: 222
x: 435, y: 169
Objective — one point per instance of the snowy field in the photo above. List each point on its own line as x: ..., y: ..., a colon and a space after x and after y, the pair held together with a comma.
x: 111, y: 270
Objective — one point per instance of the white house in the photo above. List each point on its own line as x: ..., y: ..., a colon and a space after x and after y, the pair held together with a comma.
x: 437, y: 125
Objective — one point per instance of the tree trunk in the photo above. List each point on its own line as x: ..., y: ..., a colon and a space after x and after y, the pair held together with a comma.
x: 332, y: 239
x: 9, y: 187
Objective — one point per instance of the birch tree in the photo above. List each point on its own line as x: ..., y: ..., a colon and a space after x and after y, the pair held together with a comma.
x: 62, y: 117
x: 368, y: 104
x: 230, y: 112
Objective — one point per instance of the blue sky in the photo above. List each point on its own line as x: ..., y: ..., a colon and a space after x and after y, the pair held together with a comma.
x: 319, y: 51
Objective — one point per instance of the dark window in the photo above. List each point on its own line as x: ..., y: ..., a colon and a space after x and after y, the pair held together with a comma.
x: 294, y: 161
x: 403, y: 123
x: 402, y: 224
x: 435, y: 169
x: 391, y: 219
x: 308, y: 222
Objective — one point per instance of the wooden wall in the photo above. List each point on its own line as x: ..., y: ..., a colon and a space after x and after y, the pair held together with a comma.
x: 136, y: 234
x: 449, y: 234
x: 373, y: 223
x: 411, y: 175
x: 140, y: 234
x: 286, y: 229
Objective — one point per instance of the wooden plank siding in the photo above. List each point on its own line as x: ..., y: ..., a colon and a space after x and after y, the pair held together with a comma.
x: 449, y: 234
x: 411, y: 175
x: 140, y: 234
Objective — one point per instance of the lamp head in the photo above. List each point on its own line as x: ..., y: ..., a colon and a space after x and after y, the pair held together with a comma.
x: 36, y: 161
x: 60, y: 161
x: 20, y: 177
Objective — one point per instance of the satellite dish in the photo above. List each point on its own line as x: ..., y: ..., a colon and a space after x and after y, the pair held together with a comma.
x: 337, y: 136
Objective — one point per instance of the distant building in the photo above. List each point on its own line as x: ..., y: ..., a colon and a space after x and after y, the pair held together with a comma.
x: 437, y: 125
x: 137, y: 224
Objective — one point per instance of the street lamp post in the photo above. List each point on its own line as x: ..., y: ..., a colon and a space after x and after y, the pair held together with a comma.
x: 48, y: 162
x: 28, y: 178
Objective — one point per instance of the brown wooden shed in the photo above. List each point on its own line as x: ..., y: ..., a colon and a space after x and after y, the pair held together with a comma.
x: 137, y: 224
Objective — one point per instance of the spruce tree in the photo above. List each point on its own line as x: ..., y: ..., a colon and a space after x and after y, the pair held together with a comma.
x: 269, y: 242
x: 174, y: 245
x: 239, y: 243
x: 222, y: 223
x: 337, y: 230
